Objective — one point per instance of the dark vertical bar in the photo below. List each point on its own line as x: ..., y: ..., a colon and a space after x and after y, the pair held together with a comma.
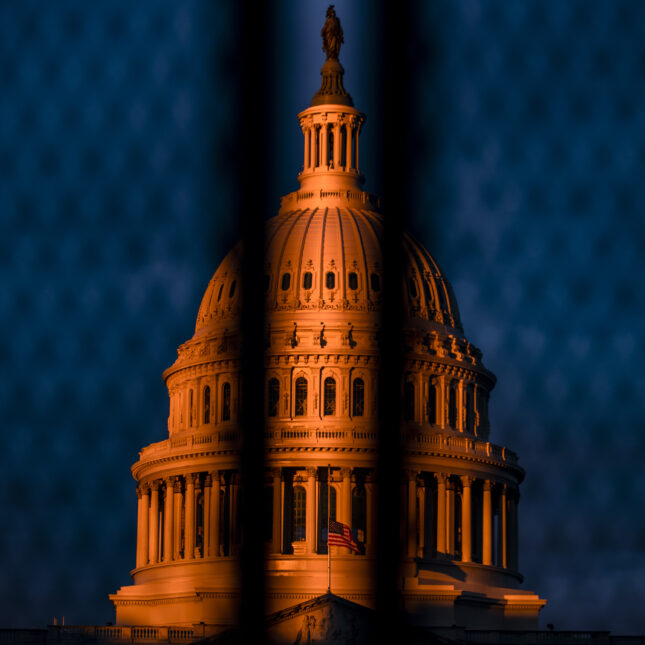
x: 254, y: 128
x: 394, y: 158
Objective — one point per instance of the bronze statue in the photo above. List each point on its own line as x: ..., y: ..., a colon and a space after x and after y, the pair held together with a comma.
x: 332, y: 34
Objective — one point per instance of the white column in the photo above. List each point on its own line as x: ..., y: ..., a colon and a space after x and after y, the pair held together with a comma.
x: 441, y: 512
x: 487, y: 513
x: 502, y: 535
x: 371, y: 513
x: 153, y: 544
x: 450, y: 517
x: 310, y: 529
x: 512, y: 519
x: 466, y: 514
x: 324, y: 162
x: 189, y: 529
x: 460, y: 406
x: 348, y: 146
x: 412, y: 513
x: 213, y: 533
x: 208, y: 488
x: 345, y: 515
x: 277, y: 510
x: 421, y: 496
x: 142, y: 542
x: 358, y: 129
x: 168, y: 521
x: 305, y: 165
x: 177, y: 516
x: 337, y: 145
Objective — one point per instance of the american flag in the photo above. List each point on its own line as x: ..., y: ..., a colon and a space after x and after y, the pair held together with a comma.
x: 341, y: 535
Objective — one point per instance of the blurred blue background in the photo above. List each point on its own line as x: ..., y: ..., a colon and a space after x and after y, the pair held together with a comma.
x: 116, y: 207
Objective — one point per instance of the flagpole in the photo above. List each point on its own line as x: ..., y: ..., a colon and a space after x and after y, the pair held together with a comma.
x: 328, y: 518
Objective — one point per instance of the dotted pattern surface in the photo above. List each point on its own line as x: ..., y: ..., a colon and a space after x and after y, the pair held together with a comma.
x: 115, y: 171
x: 534, y: 151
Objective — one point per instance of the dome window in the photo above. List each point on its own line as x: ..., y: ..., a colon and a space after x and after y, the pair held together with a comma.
x: 301, y: 396
x: 190, y: 408
x: 358, y: 397
x: 219, y: 294
x: 412, y: 286
x: 286, y: 281
x: 470, y: 409
x: 273, y: 397
x: 329, y: 405
x: 231, y: 291
x: 226, y: 402
x: 432, y: 404
x: 207, y: 404
x: 299, y: 515
x: 330, y: 280
x: 452, y: 406
x: 408, y: 403
x: 352, y: 280
x: 375, y: 282
x: 307, y: 280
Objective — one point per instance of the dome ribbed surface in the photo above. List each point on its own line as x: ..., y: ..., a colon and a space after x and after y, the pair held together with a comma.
x: 330, y: 259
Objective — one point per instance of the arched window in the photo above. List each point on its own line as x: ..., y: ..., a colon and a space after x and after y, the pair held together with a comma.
x: 219, y: 293
x: 231, y: 291
x: 191, y: 403
x: 375, y: 282
x: 301, y: 397
x: 226, y: 402
x: 470, y: 409
x: 330, y: 280
x: 412, y: 287
x: 408, y: 401
x: 286, y: 281
x: 273, y: 397
x: 299, y: 515
x: 307, y: 280
x: 359, y: 515
x: 352, y: 281
x: 358, y: 397
x: 207, y: 404
x: 452, y: 406
x: 432, y: 403
x: 329, y: 405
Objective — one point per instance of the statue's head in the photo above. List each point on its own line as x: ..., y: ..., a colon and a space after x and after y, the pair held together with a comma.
x: 330, y: 11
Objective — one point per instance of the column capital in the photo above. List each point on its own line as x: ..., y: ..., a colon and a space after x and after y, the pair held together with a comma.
x: 139, y: 492
x: 410, y: 474
x: 311, y: 471
x: 345, y: 473
x: 467, y: 481
x: 488, y: 484
x: 276, y: 472
x: 215, y: 477
x: 208, y: 481
x: 154, y: 485
x: 177, y: 487
x: 440, y: 477
x: 190, y: 478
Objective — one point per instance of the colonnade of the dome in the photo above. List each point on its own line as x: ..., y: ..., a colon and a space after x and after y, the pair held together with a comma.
x: 464, y: 518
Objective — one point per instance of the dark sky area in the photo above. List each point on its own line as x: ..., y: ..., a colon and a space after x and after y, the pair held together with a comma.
x: 116, y: 207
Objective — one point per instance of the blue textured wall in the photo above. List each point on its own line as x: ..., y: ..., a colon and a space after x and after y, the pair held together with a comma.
x: 115, y: 210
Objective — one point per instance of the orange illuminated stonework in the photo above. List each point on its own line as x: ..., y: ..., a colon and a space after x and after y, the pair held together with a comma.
x: 323, y: 281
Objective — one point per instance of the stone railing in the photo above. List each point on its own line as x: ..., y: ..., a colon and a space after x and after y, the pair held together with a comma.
x: 295, y: 198
x: 464, y: 445
x: 101, y: 633
x: 318, y: 437
x: 218, y: 440
x: 495, y: 637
